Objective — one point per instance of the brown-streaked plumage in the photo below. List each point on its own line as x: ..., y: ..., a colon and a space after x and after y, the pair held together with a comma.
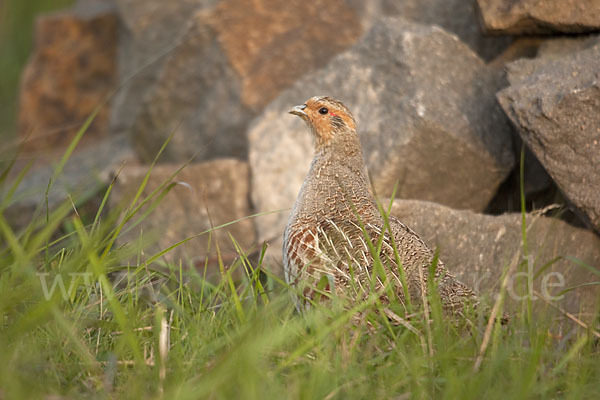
x: 325, y: 234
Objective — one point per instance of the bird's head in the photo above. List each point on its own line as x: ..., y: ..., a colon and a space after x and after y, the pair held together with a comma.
x: 327, y: 118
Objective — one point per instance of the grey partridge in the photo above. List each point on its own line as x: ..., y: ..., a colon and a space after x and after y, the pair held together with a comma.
x: 335, y: 215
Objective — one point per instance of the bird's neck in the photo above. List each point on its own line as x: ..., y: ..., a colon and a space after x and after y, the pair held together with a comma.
x: 337, y: 180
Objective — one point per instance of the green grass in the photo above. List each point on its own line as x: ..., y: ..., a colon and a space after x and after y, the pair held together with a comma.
x: 172, y: 334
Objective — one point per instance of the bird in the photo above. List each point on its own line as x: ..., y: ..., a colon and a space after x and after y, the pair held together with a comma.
x: 326, y: 241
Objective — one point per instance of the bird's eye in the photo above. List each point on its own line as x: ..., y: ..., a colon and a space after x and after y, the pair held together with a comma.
x: 323, y: 110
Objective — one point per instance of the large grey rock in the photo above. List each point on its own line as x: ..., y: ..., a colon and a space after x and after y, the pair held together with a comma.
x: 478, y: 248
x: 212, y: 192
x: 554, y: 100
x: 517, y: 17
x: 456, y: 16
x: 538, y: 185
x: 426, y: 114
x: 231, y: 60
x: 197, y: 97
x: 150, y: 31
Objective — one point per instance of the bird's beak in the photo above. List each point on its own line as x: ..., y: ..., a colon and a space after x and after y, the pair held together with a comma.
x: 299, y: 111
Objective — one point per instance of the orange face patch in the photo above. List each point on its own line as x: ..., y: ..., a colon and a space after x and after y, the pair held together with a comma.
x: 326, y: 116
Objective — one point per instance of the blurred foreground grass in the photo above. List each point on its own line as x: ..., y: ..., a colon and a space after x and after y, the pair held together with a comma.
x: 16, y: 42
x: 67, y: 330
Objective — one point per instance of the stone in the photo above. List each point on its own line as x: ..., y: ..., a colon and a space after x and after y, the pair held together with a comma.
x: 565, y: 46
x: 554, y: 101
x: 478, y: 248
x: 196, y: 97
x: 208, y: 194
x: 426, y: 114
x: 540, y: 190
x: 523, y: 47
x: 150, y: 30
x: 88, y: 171
x: 272, y: 43
x: 456, y: 16
x: 70, y: 73
x: 519, y: 17
x: 228, y: 64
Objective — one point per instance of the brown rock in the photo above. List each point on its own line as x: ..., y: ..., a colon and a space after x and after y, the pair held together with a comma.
x: 71, y: 71
x: 214, y: 191
x: 478, y: 248
x: 271, y: 43
x: 229, y: 63
x: 523, y: 47
x: 517, y: 17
